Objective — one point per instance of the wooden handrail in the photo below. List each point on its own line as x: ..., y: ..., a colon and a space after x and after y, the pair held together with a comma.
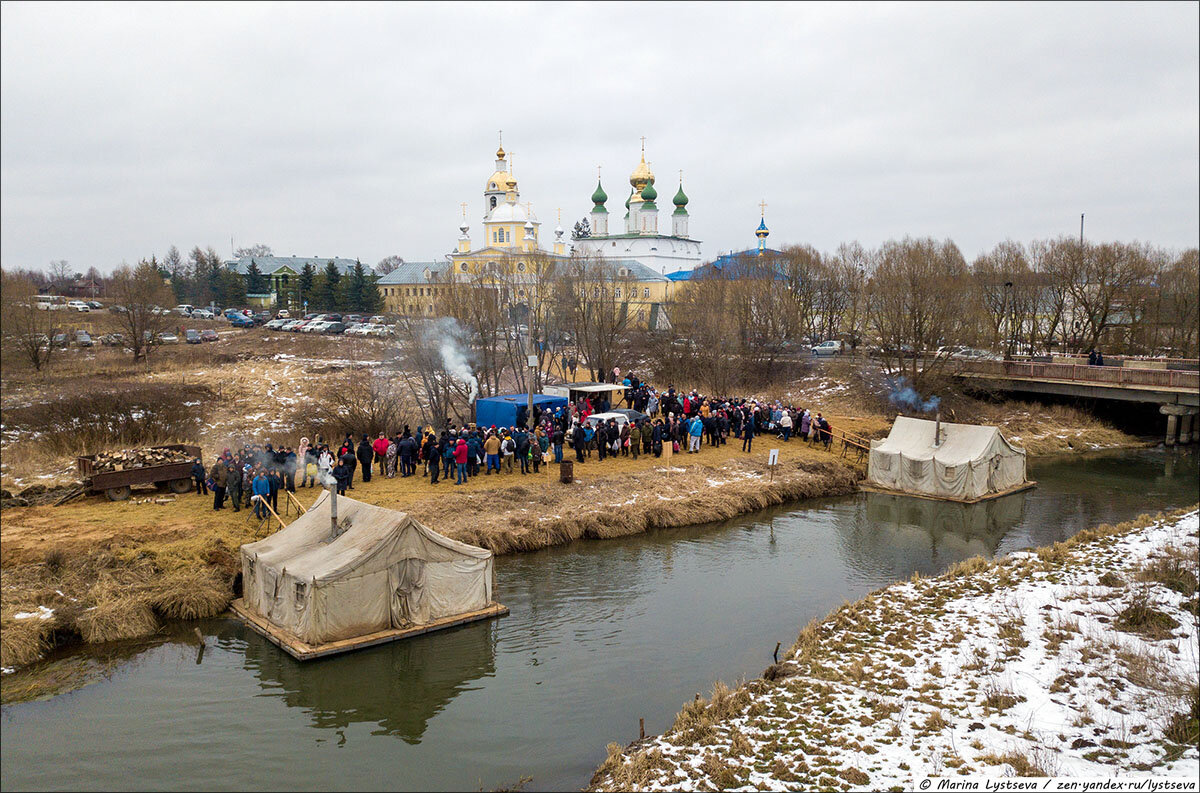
x: 292, y: 497
x: 267, y: 504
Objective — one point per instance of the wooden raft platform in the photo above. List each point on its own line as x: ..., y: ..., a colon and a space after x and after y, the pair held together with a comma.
x: 869, y: 488
x: 302, y: 651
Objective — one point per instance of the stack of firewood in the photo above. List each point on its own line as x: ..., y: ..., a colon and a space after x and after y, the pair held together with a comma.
x: 137, y: 458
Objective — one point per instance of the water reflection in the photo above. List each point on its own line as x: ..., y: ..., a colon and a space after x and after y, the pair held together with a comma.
x: 885, y: 536
x: 399, y: 686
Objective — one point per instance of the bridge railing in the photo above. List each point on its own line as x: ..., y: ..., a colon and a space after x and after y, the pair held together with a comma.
x: 1109, y: 375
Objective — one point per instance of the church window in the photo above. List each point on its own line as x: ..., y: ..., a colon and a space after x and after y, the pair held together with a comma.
x: 493, y: 202
x: 641, y: 315
x: 520, y: 267
x: 492, y: 186
x: 463, y: 267
x: 595, y: 292
x: 520, y: 293
x: 646, y: 292
x: 618, y: 293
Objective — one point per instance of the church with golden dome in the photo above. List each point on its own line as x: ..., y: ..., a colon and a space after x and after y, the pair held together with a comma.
x: 510, y: 228
x: 642, y: 240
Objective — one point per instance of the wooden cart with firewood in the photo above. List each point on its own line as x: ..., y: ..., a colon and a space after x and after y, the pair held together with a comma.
x: 115, y: 473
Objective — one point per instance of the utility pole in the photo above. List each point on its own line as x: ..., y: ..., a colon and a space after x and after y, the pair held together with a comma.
x: 1081, y: 229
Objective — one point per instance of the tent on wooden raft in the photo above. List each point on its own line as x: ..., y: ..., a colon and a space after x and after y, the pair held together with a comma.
x: 936, y: 459
x: 348, y: 574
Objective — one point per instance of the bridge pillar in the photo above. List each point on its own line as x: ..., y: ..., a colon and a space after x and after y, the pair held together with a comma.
x: 1173, y: 414
x: 1185, y: 427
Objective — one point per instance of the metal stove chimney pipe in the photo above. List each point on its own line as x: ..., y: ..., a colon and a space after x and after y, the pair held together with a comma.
x: 333, y: 526
x: 937, y: 430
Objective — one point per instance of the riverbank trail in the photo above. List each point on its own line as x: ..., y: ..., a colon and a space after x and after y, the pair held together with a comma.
x: 1078, y: 659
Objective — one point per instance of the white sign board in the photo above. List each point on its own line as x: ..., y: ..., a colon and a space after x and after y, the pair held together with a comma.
x: 533, y: 362
x: 774, y: 458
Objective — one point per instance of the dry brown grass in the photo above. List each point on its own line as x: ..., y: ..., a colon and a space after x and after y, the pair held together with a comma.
x: 116, y: 615
x: 188, y: 594
x: 22, y: 641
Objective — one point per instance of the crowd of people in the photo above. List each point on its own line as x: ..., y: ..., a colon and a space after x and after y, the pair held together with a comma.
x: 254, y: 475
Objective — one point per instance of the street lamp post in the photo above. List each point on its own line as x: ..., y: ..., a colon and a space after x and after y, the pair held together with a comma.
x: 1008, y: 347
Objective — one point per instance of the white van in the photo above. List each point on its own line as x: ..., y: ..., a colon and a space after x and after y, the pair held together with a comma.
x: 184, y: 309
x: 79, y: 305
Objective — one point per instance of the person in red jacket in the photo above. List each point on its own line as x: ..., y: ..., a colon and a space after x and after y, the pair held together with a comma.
x: 380, y: 447
x: 460, y: 460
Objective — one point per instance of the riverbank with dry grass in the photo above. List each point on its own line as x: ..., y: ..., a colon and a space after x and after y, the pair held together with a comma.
x: 96, y: 572
x: 1079, y: 659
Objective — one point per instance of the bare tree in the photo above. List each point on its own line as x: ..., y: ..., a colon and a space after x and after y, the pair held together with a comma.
x: 257, y: 250
x: 917, y: 297
x: 437, y: 382
x: 26, y: 329
x: 590, y: 300
x: 388, y: 264
x: 61, y: 273
x: 141, y: 291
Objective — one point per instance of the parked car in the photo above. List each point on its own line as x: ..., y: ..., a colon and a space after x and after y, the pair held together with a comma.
x: 184, y: 309
x: 79, y: 305
x: 159, y: 311
x: 352, y: 318
x: 191, y: 336
x: 166, y: 337
x: 95, y: 305
x: 315, y: 326
x: 208, y: 334
x: 378, y: 319
x: 113, y: 340
x: 82, y: 339
x: 239, y: 321
x: 60, y: 340
x: 283, y: 313
x: 274, y: 324
x: 117, y: 310
x: 334, y: 328
x: 312, y: 315
x: 202, y: 313
x: 831, y: 347
x: 261, y: 317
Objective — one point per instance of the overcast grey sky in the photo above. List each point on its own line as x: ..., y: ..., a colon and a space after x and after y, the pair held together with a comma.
x: 356, y: 130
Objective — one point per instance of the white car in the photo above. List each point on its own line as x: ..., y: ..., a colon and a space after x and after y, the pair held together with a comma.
x: 202, y: 313
x: 316, y: 327
x: 378, y: 319
x: 183, y: 309
x: 831, y: 347
x: 79, y: 305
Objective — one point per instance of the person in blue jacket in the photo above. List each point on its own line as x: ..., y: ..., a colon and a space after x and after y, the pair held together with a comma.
x: 261, y: 490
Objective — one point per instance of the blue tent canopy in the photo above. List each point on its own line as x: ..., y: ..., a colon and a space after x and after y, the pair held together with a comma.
x: 508, y: 410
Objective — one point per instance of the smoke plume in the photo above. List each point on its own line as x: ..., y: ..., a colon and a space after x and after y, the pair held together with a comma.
x: 904, y: 395
x: 452, y: 355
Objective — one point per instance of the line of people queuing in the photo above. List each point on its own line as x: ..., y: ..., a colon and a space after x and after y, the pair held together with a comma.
x: 255, y: 474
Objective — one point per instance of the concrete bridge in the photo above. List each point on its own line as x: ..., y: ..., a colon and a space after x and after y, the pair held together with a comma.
x: 1176, y: 392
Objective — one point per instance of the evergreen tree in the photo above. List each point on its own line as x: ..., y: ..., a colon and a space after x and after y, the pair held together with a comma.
x: 330, y: 294
x: 582, y: 230
x: 305, y: 283
x: 256, y: 284
x: 362, y: 296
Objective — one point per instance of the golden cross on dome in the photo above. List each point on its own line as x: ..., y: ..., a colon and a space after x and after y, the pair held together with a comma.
x: 559, y: 210
x: 643, y: 145
x: 502, y: 139
x: 681, y: 176
x: 598, y: 168
x: 464, y: 209
x: 763, y: 207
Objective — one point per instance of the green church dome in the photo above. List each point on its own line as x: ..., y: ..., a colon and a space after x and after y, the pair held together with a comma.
x: 680, y: 199
x: 648, y: 192
x: 599, y: 197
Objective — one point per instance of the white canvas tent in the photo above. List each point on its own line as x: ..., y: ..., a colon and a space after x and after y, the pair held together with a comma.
x: 383, y: 570
x: 970, y: 462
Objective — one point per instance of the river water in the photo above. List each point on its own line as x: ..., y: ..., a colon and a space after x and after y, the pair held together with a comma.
x: 600, y: 635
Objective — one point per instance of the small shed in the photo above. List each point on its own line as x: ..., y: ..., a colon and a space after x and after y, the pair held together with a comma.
x: 508, y: 410
x: 378, y: 576
x: 936, y: 459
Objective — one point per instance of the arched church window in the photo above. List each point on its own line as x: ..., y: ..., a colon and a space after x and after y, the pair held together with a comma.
x: 618, y: 293
x: 595, y: 293
x: 646, y: 292
x: 463, y: 267
x: 492, y: 186
x: 493, y: 198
